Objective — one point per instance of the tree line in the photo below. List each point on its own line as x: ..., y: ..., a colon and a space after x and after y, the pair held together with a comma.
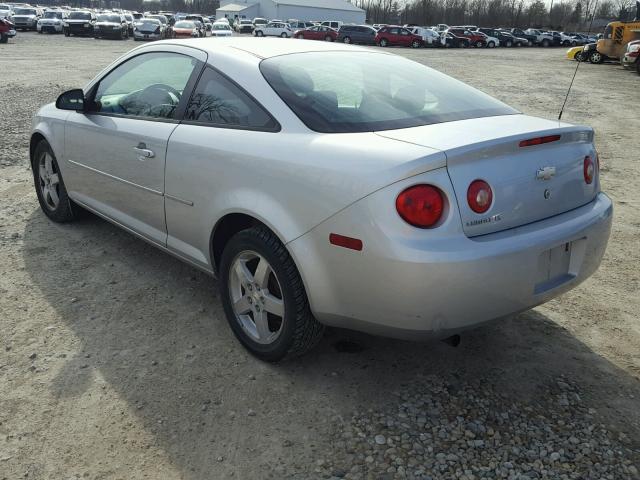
x: 561, y: 14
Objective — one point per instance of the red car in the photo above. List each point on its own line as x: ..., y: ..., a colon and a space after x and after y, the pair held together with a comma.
x: 318, y: 32
x: 475, y: 38
x: 391, y: 35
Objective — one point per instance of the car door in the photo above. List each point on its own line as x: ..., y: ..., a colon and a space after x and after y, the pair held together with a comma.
x: 115, y: 150
x: 224, y: 129
x: 405, y: 38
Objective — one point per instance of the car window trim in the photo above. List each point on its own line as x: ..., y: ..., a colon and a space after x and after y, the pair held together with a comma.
x: 180, y: 108
x: 275, y: 129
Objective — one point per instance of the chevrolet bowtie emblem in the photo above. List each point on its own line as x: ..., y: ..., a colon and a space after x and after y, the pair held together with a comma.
x: 545, y: 173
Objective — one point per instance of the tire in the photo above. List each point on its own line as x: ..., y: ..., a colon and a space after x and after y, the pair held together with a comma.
x: 300, y: 37
x: 328, y: 38
x: 596, y: 57
x: 4, y: 39
x: 296, y: 331
x: 479, y: 44
x: 579, y: 56
x: 346, y: 40
x: 464, y: 44
x: 44, y: 165
x: 383, y: 42
x: 509, y: 44
x: 491, y: 45
x: 283, y: 35
x: 545, y: 43
x: 415, y: 44
x: 66, y: 33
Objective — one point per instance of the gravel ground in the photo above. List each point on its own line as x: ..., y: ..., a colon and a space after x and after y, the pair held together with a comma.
x: 116, y: 361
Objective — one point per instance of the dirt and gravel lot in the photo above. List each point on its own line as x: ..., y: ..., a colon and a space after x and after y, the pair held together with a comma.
x: 116, y: 361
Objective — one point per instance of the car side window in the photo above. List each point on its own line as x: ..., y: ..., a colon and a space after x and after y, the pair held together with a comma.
x: 219, y: 102
x: 148, y: 85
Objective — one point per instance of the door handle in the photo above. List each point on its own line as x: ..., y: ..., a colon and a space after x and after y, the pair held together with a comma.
x: 143, y: 151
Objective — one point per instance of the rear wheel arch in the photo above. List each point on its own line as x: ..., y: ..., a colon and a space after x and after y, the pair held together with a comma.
x: 36, y: 138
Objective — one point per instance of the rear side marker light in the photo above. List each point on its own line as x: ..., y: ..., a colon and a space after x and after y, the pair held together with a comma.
x: 420, y: 205
x: 346, y: 242
x: 539, y: 140
x: 588, y: 169
x: 479, y: 196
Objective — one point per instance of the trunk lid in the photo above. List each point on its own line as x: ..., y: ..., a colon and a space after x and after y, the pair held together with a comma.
x: 529, y: 183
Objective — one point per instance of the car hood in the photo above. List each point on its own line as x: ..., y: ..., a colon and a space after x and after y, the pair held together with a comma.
x: 107, y: 24
x: 77, y: 20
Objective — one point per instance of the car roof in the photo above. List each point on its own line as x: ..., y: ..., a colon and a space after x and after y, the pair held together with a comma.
x: 262, y: 47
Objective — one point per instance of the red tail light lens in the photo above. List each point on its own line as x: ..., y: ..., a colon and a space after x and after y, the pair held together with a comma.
x: 539, y: 140
x: 420, y: 205
x: 588, y: 169
x: 479, y: 196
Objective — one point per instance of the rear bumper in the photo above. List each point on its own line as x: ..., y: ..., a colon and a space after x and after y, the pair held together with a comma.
x: 432, y: 286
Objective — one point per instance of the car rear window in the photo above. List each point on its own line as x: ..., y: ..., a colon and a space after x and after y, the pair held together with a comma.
x: 339, y: 92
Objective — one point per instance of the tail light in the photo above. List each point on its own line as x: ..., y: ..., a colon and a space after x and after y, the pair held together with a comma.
x: 479, y: 196
x: 539, y: 140
x: 588, y: 169
x: 420, y: 205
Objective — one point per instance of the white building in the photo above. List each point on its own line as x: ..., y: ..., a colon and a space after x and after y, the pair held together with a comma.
x: 304, y: 10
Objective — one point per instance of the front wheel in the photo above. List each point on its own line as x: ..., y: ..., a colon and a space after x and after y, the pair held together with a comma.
x: 545, y: 43
x: 579, y: 56
x: 346, y: 40
x: 259, y: 33
x: 283, y: 35
x: 509, y: 43
x: 491, y: 45
x: 596, y: 57
x: 50, y: 189
x: 263, y: 297
x: 464, y: 44
x: 383, y: 42
x: 300, y: 37
x: 415, y: 44
x: 328, y: 38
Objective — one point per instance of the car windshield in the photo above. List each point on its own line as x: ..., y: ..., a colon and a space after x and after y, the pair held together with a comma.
x: 184, y: 24
x: 80, y: 16
x: 161, y: 18
x: 149, y: 24
x: 53, y: 15
x: 129, y: 17
x: 221, y: 26
x: 108, y: 18
x: 337, y: 92
x: 25, y: 11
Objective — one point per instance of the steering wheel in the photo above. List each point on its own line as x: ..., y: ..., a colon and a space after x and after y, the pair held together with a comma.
x: 157, y: 97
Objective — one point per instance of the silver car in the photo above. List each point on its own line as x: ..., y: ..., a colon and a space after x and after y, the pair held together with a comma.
x: 326, y: 184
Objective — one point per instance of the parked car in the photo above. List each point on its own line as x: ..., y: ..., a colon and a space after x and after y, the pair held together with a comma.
x: 243, y: 26
x: 429, y: 36
x: 259, y: 22
x: 273, y: 29
x: 562, y: 39
x: 26, y: 18
x: 363, y: 34
x: 510, y: 40
x: 504, y: 38
x: 7, y: 30
x: 489, y: 42
x: 81, y: 22
x: 317, y: 32
x: 221, y: 29
x: 111, y: 25
x: 519, y: 33
x: 6, y: 11
x: 541, y: 38
x: 298, y: 25
x: 202, y: 30
x: 168, y: 29
x: 460, y: 189
x: 393, y: 35
x: 476, y: 39
x: 449, y: 40
x: 332, y: 24
x: 576, y: 53
x: 201, y: 19
x: 130, y: 22
x: 631, y: 57
x: 185, y: 29
x: 52, y: 21
x: 149, y: 29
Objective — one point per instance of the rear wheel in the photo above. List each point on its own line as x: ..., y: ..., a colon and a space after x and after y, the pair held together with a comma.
x: 328, y: 38
x: 263, y: 297
x: 509, y: 43
x: 479, y: 44
x: 283, y: 35
x: 300, y: 36
x: 383, y: 42
x: 259, y: 33
x: 346, y: 40
x: 464, y: 44
x: 545, y: 43
x: 415, y: 44
x: 50, y: 189
x: 491, y: 45
x: 579, y: 56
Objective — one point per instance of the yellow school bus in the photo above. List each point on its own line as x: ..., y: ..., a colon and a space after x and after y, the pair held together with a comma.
x: 615, y: 39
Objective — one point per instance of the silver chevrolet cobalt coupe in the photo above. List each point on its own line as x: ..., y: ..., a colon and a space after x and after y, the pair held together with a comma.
x: 327, y: 184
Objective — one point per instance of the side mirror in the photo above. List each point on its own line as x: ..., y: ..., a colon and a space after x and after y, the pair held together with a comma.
x: 71, y: 100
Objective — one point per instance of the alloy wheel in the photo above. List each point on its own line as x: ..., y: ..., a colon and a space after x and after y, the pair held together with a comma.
x: 49, y: 181
x: 256, y: 297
